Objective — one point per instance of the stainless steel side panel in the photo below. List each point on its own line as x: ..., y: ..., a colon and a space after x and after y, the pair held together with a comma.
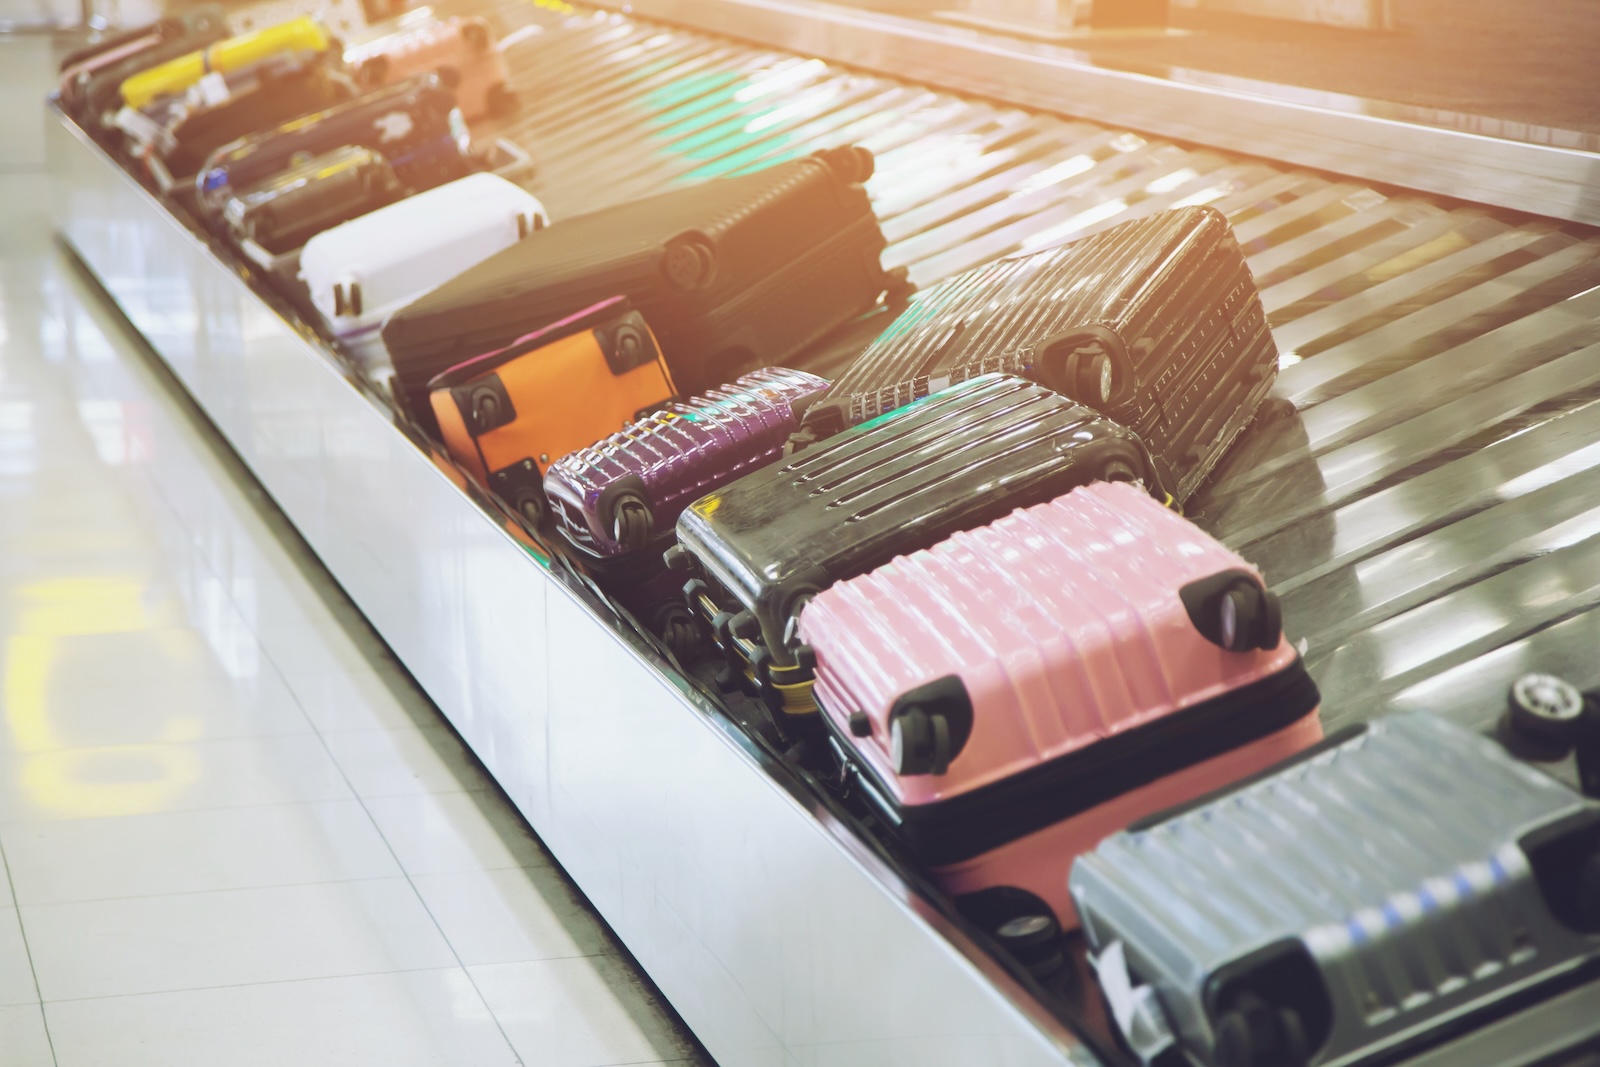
x: 778, y: 940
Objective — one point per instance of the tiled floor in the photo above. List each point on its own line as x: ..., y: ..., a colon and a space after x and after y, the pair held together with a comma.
x: 232, y: 832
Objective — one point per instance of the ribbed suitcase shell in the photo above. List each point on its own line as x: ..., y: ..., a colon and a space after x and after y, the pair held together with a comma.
x: 414, y: 125
x: 1172, y: 292
x: 952, y: 461
x: 399, y: 252
x: 1399, y: 863
x: 730, y: 273
x: 1064, y: 626
x: 675, y: 455
x: 321, y: 192
x: 463, y: 46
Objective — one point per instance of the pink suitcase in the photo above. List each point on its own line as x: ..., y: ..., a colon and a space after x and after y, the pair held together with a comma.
x: 460, y: 51
x: 1018, y: 692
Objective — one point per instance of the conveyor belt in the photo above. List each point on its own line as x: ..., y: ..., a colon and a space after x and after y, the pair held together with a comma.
x: 1423, y: 488
x: 1424, y: 493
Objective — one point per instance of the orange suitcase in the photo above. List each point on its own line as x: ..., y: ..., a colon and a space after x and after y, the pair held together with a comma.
x: 460, y: 51
x: 507, y: 414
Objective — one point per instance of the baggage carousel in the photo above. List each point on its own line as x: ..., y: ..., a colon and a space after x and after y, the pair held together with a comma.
x: 1423, y: 489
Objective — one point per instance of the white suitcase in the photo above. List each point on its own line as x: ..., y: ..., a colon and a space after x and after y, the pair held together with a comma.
x: 361, y: 272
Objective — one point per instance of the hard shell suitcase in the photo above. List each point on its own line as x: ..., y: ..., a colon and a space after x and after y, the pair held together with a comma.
x: 166, y: 28
x: 507, y: 414
x: 97, y: 92
x: 757, y: 550
x: 276, y: 91
x: 304, y: 34
x: 626, y: 491
x: 414, y: 125
x: 732, y: 274
x: 460, y: 50
x: 284, y: 212
x: 1155, y: 322
x: 1019, y: 691
x: 360, y: 272
x: 80, y: 68
x: 1396, y: 885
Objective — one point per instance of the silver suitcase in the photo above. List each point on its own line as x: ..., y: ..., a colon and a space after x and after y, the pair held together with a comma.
x: 1385, y: 889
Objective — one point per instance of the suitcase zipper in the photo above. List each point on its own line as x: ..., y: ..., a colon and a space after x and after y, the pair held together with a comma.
x: 968, y: 825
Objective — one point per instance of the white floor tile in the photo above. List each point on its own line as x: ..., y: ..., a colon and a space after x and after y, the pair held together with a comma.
x: 16, y: 976
x: 188, y: 852
x: 583, y: 1012
x: 149, y: 778
x: 23, y: 1040
x: 335, y: 701
x: 382, y: 763
x: 444, y: 832
x: 80, y: 705
x: 508, y: 916
x: 198, y: 940
x: 416, y: 1019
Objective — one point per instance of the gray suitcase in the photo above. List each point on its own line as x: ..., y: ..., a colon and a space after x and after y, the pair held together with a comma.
x: 1385, y: 890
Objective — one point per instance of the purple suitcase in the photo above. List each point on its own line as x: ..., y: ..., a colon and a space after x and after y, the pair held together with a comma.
x: 620, y: 494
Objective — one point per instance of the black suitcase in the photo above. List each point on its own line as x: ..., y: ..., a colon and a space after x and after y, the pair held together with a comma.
x: 100, y: 92
x: 316, y: 194
x: 1155, y: 322
x: 731, y: 274
x: 286, y: 90
x: 756, y: 551
x: 414, y: 124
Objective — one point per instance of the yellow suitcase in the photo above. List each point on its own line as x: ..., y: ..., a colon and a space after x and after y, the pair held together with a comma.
x: 303, y: 34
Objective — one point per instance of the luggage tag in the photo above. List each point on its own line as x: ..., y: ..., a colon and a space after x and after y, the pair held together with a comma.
x: 1136, y: 1009
x: 211, y: 90
x: 139, y: 126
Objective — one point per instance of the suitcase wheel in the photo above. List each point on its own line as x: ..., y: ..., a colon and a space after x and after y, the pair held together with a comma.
x: 851, y: 163
x: 1248, y: 617
x: 1545, y: 709
x: 632, y: 523
x: 677, y: 558
x: 372, y: 73
x: 919, y: 742
x: 502, y: 101
x: 476, y: 34
x: 690, y: 262
x: 679, y: 632
x: 1118, y: 470
x: 1082, y: 365
x: 530, y: 505
x: 1254, y: 1034
x: 1022, y: 924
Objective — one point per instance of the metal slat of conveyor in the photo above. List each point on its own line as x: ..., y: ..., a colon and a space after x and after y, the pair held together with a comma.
x: 1430, y: 498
